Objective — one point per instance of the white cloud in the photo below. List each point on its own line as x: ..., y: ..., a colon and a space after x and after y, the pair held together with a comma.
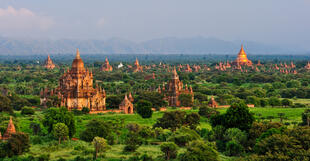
x: 101, y: 22
x: 21, y: 21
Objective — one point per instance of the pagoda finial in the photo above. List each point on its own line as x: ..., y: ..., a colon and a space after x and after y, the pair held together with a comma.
x: 126, y: 96
x: 77, y: 54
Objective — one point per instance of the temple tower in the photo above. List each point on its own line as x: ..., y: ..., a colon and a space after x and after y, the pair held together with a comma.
x: 10, y: 130
x: 242, y: 58
x: 48, y: 64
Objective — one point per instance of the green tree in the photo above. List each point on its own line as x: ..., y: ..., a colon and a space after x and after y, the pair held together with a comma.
x: 183, y: 136
x: 27, y: 111
x: 60, y: 131
x: 286, y: 102
x: 170, y: 150
x: 98, y: 128
x: 5, y: 104
x: 280, y: 146
x: 186, y: 100
x: 100, y: 145
x: 234, y: 148
x: 274, y: 101
x: 171, y: 120
x: 144, y: 108
x: 281, y: 116
x: 18, y: 143
x: 205, y: 111
x: 234, y: 134
x: 200, y: 151
x: 192, y: 120
x: 59, y: 115
x: 236, y: 116
x: 306, y: 117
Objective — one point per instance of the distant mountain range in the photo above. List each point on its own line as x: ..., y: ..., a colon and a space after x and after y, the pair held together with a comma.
x: 171, y: 45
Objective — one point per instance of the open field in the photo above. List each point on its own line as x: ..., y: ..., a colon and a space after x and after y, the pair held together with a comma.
x: 67, y: 150
x: 291, y: 114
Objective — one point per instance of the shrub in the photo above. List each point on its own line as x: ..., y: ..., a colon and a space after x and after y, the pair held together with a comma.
x: 18, y: 143
x: 183, y: 136
x: 27, y: 111
x: 236, y: 135
x: 207, y: 112
x: 233, y: 148
x: 85, y: 110
x: 198, y: 151
x: 144, y: 108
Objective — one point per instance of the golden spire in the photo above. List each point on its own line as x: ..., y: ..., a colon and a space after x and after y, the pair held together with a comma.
x: 77, y: 54
x: 242, y: 52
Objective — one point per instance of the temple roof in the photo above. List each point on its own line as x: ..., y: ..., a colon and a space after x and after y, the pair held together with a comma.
x: 78, y: 63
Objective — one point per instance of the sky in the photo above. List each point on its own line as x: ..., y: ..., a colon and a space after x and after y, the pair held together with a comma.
x: 278, y: 22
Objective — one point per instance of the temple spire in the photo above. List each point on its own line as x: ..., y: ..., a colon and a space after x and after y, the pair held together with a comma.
x: 77, y: 54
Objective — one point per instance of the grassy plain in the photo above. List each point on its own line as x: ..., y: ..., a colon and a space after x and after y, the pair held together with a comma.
x: 68, y: 149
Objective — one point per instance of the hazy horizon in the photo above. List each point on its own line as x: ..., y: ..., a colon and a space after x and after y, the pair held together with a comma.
x: 284, y: 23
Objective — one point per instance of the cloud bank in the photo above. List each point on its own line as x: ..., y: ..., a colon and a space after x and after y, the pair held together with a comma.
x: 22, y: 22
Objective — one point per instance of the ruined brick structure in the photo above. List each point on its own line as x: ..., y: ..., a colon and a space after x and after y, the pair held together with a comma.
x: 48, y: 64
x: 126, y: 106
x: 106, y: 66
x: 137, y: 67
x: 212, y: 103
x: 173, y: 89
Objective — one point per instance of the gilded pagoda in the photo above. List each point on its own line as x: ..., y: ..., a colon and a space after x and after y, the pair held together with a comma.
x: 242, y: 59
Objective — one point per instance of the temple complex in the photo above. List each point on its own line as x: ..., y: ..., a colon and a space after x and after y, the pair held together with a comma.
x: 137, y: 67
x: 174, y: 89
x: 9, y: 131
x: 242, y: 59
x: 106, y: 66
x: 48, y: 64
x: 76, y: 88
x: 212, y: 103
x: 126, y: 106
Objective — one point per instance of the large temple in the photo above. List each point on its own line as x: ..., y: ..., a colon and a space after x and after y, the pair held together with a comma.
x: 48, y: 64
x: 76, y: 88
x: 173, y: 89
x: 242, y: 59
x: 106, y: 66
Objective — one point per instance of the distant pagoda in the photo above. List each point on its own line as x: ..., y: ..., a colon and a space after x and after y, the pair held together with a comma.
x: 106, y: 66
x: 242, y: 59
x: 9, y: 131
x: 126, y: 106
x: 137, y: 67
x: 48, y: 64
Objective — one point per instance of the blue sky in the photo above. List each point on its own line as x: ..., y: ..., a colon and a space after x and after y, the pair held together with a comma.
x: 283, y: 22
